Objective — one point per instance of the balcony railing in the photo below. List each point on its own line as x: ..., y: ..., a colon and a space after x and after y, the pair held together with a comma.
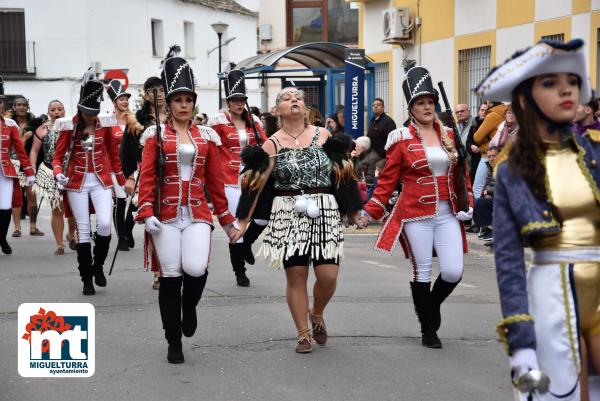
x: 17, y: 57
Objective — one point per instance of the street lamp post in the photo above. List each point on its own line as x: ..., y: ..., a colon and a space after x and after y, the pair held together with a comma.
x: 220, y: 28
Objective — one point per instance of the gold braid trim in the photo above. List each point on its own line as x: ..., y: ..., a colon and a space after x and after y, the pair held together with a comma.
x: 571, y: 332
x: 585, y: 170
x: 536, y: 225
x: 503, y: 331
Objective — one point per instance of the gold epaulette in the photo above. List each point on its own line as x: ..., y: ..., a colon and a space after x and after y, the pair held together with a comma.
x: 593, y: 134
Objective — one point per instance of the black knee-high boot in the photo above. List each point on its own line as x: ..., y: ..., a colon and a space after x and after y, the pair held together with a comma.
x: 129, y: 224
x: 120, y: 224
x: 5, y: 216
x: 84, y: 259
x: 236, y: 254
x: 192, y: 291
x: 250, y: 236
x: 169, y: 301
x: 422, y: 300
x: 441, y: 290
x: 100, y: 251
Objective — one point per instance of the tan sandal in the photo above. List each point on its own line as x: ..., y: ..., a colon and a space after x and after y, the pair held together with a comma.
x: 36, y: 232
x: 305, y: 342
x: 72, y: 242
x: 16, y: 233
x: 318, y: 328
x: 60, y: 250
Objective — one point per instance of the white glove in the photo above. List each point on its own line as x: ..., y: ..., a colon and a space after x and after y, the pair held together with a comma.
x: 465, y: 216
x: 153, y: 225
x: 522, y: 361
x: 62, y: 179
x: 30, y: 180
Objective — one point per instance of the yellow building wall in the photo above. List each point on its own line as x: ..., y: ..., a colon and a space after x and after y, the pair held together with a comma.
x: 514, y: 12
x: 581, y: 6
x: 594, y: 26
x: 386, y: 57
x: 437, y: 18
x: 553, y: 27
x: 468, y: 42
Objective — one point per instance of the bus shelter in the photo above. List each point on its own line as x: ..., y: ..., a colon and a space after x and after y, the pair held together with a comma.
x: 317, y: 68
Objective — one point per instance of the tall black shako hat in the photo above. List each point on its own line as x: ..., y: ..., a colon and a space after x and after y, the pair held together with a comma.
x: 418, y: 83
x: 91, y: 94
x: 235, y: 85
x: 1, y: 88
x: 177, y: 75
x: 115, y: 90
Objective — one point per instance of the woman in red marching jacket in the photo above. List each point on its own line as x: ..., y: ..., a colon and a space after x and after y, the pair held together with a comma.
x: 10, y: 192
x: 85, y: 156
x: 177, y: 218
x: 426, y: 219
x: 238, y: 129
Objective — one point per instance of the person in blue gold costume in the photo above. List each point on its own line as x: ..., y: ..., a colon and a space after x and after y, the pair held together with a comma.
x: 547, y: 197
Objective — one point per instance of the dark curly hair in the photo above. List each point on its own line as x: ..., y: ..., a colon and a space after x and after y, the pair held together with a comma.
x: 528, y: 149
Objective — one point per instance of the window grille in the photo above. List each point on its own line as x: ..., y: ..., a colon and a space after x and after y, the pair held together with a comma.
x: 559, y: 37
x: 473, y: 67
x: 382, y: 82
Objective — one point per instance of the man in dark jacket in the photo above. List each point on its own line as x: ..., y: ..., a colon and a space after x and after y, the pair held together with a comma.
x: 381, y: 125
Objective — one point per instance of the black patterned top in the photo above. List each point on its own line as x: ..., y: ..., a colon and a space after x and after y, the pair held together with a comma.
x: 48, y: 143
x: 302, y: 168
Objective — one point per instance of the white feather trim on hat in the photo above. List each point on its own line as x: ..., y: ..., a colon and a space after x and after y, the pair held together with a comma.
x: 541, y: 59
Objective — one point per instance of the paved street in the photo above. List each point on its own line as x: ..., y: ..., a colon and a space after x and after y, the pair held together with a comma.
x: 243, y: 349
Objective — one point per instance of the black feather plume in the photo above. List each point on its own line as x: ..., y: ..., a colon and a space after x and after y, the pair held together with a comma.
x: 254, y: 158
x: 337, y: 147
x: 173, y: 51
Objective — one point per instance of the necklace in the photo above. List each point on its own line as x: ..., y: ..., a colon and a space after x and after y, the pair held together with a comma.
x: 292, y: 136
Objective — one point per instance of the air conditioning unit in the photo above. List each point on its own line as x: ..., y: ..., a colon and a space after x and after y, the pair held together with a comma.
x: 397, y: 26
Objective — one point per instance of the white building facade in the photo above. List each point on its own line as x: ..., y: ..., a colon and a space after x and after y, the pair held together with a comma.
x: 62, y: 38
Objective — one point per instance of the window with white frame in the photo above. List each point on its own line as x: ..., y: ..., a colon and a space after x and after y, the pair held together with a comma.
x: 157, y: 37
x: 189, y: 39
x: 473, y: 67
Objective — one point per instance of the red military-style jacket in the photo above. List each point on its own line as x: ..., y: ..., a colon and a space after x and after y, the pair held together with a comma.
x: 102, y: 160
x: 174, y: 192
x: 230, y: 148
x: 421, y: 191
x: 10, y: 139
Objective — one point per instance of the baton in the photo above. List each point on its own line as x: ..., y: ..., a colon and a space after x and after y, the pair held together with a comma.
x: 127, y: 205
x: 39, y: 206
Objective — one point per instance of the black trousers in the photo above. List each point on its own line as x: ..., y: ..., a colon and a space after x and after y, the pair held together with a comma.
x: 483, y: 211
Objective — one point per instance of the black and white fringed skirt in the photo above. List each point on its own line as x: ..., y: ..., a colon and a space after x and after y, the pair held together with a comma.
x: 290, y: 232
x: 46, y: 186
